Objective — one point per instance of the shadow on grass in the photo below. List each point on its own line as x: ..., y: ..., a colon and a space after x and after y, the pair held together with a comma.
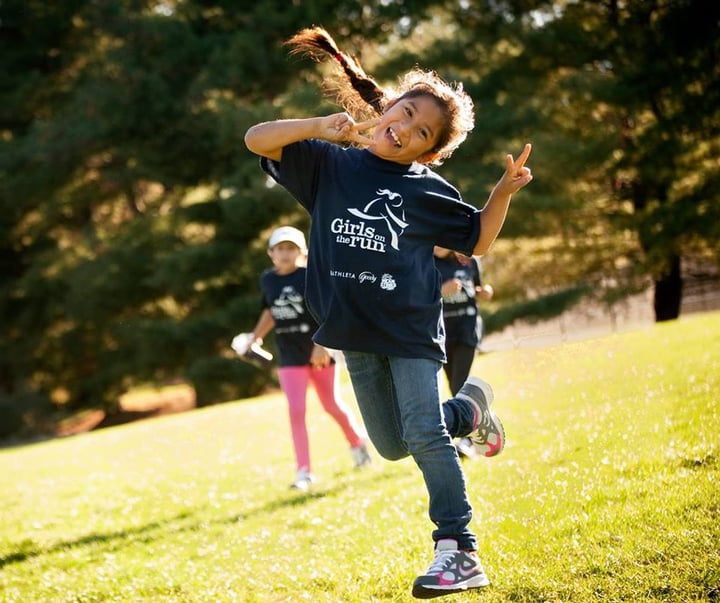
x: 29, y: 549
x: 300, y: 498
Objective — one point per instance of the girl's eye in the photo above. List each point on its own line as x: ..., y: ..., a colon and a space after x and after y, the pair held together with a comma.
x: 408, y: 112
x: 423, y: 134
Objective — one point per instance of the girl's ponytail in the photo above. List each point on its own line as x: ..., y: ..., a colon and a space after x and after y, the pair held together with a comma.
x: 357, y: 90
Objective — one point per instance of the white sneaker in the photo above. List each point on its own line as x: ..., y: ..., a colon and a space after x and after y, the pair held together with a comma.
x: 303, y: 480
x: 465, y: 448
x: 452, y: 571
x: 360, y: 456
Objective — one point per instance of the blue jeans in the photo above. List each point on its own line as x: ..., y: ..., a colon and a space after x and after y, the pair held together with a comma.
x: 399, y: 400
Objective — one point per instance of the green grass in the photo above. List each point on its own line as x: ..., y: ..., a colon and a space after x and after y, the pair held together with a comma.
x: 608, y: 490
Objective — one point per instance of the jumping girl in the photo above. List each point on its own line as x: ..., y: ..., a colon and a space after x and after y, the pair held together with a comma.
x: 376, y: 214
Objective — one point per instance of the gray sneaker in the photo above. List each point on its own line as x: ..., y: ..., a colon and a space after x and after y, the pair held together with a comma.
x: 452, y: 571
x: 488, y: 436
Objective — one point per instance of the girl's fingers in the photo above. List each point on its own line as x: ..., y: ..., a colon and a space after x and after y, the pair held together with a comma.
x: 516, y: 167
x: 509, y: 164
x: 366, y: 125
x: 359, y: 138
x: 523, y: 156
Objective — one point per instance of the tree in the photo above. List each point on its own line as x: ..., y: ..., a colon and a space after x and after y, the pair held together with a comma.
x: 121, y: 238
x: 134, y: 221
x: 621, y: 99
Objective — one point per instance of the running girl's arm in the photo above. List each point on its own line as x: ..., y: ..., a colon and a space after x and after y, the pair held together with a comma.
x: 269, y: 138
x: 264, y: 325
x: 492, y: 216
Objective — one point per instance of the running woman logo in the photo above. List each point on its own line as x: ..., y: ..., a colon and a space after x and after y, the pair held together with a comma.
x: 288, y: 305
x: 386, y: 206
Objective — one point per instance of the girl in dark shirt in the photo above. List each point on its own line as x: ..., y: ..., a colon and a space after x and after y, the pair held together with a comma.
x: 371, y: 281
x: 301, y: 361
x: 461, y: 286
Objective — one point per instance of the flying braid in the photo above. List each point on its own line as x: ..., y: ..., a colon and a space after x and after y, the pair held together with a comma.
x: 357, y: 90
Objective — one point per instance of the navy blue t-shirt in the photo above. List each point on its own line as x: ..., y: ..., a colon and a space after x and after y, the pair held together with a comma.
x: 284, y: 296
x: 371, y: 282
x: 460, y: 309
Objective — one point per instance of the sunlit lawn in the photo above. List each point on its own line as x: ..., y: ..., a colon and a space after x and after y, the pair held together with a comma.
x: 608, y: 490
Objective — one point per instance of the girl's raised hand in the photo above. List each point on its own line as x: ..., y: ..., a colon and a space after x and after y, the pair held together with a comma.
x: 516, y: 174
x: 362, y: 126
x: 341, y: 127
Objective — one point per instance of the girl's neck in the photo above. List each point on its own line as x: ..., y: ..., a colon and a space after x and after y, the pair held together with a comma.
x: 390, y: 165
x: 374, y: 154
x: 285, y: 271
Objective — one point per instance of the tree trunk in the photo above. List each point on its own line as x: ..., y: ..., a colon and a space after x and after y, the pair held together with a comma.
x: 668, y: 292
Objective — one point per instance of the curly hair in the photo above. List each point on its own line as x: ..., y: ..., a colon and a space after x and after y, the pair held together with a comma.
x: 358, y: 93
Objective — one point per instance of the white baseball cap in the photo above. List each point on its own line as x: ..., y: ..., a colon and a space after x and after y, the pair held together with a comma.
x: 287, y: 233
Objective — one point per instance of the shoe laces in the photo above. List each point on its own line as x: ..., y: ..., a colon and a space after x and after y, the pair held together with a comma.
x: 442, y: 561
x: 484, y: 425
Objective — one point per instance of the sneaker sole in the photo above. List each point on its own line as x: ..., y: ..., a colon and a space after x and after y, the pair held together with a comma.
x: 421, y: 591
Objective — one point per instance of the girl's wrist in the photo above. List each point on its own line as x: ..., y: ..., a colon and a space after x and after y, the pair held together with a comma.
x: 314, y: 127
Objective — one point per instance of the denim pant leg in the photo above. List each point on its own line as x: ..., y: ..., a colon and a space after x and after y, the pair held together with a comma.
x: 400, y: 404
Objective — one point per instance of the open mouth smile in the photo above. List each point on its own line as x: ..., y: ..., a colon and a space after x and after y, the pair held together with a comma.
x: 394, y: 137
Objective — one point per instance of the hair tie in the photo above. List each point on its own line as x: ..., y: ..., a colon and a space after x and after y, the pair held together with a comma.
x: 339, y: 58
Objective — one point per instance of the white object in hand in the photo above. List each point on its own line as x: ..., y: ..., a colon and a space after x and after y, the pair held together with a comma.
x: 251, y: 351
x: 241, y: 343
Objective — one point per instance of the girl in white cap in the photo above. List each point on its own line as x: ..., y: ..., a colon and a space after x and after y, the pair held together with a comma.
x: 300, y: 361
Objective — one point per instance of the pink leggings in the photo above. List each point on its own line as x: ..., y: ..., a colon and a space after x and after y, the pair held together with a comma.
x: 294, y: 382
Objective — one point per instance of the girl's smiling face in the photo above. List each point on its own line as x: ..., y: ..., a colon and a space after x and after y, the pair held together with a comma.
x: 408, y: 130
x: 286, y: 257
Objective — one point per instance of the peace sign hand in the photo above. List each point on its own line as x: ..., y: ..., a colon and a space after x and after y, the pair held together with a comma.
x: 361, y: 126
x: 516, y: 175
x: 341, y: 127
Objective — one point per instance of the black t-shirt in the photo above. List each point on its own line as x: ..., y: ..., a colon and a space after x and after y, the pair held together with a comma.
x: 371, y: 282
x: 284, y: 296
x: 460, y: 309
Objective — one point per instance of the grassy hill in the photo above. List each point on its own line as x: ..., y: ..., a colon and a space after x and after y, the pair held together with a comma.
x: 608, y: 490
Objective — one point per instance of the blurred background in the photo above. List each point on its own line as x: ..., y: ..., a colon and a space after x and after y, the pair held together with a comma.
x: 133, y: 221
